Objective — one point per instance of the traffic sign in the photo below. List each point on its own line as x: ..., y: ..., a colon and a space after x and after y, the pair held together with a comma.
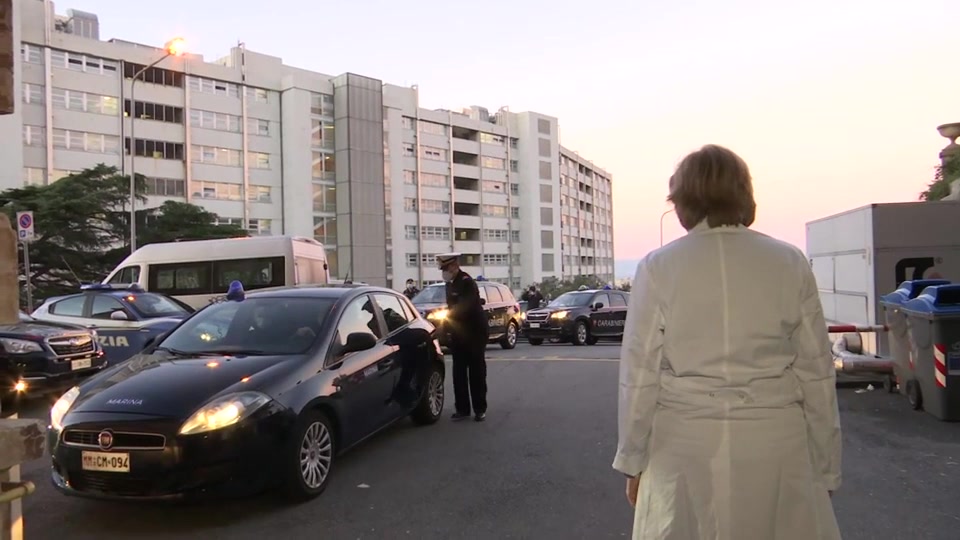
x: 25, y: 224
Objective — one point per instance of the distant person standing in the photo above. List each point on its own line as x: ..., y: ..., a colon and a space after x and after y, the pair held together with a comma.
x: 468, y: 331
x: 532, y: 297
x: 411, y: 289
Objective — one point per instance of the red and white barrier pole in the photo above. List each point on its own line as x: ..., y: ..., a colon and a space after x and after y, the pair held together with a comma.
x: 844, y: 328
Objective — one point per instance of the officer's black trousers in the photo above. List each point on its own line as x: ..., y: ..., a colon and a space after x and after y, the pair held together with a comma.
x: 470, y: 377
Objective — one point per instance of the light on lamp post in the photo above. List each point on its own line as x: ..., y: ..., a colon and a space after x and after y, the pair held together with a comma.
x: 174, y: 47
x: 663, y: 215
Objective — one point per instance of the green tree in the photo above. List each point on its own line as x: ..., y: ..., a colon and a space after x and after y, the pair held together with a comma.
x: 82, y: 226
x: 944, y: 174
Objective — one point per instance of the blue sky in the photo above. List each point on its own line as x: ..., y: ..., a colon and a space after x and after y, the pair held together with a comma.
x: 834, y: 104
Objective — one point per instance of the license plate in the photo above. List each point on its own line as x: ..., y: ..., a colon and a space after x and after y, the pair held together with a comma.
x: 106, y: 462
x: 83, y: 363
x: 534, y: 325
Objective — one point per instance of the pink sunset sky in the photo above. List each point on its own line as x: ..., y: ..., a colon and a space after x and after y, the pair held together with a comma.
x: 834, y: 104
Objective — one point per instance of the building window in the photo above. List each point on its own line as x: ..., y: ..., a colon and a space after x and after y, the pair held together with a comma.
x: 80, y: 141
x: 428, y: 233
x: 214, y: 120
x: 154, y: 75
x: 436, y: 154
x: 494, y: 210
x: 493, y: 163
x: 425, y: 259
x: 514, y: 236
x: 432, y: 206
x: 543, y: 126
x: 260, y: 194
x: 514, y: 143
x: 154, y: 111
x: 33, y: 93
x: 235, y: 221
x: 258, y: 126
x: 495, y: 235
x: 515, y: 212
x: 74, y: 100
x: 259, y: 227
x: 258, y: 95
x: 322, y: 134
x: 258, y: 160
x: 426, y: 179
x: 82, y: 62
x: 155, y: 149
x: 34, y: 176
x: 325, y: 230
x: 515, y: 189
x: 321, y: 104
x: 514, y: 165
x: 496, y: 259
x: 432, y: 128
x: 31, y: 53
x: 210, y: 86
x: 408, y: 150
x: 489, y: 138
x: 546, y: 170
x: 165, y: 187
x: 407, y: 122
x: 325, y: 198
x: 324, y: 166
x: 491, y: 186
x: 216, y: 190
x: 213, y: 155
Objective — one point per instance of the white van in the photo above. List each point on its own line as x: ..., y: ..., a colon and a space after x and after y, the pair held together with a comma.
x: 197, y: 272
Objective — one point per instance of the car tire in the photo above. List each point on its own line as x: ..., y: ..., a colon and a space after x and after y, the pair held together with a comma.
x: 580, y: 334
x: 535, y: 341
x: 509, y: 339
x: 311, y: 446
x: 592, y: 340
x: 430, y: 407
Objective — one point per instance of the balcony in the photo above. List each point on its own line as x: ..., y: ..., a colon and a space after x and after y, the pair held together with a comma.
x: 467, y: 235
x: 467, y: 184
x: 466, y: 209
x: 464, y: 158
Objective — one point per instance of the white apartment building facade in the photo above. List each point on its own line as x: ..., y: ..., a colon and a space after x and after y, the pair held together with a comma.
x: 259, y: 143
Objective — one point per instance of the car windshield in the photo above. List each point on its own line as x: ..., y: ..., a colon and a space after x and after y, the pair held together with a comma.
x: 434, y: 294
x: 572, y: 299
x: 154, y: 306
x: 255, y: 326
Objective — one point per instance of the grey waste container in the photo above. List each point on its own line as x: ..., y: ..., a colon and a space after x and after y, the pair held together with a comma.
x: 896, y: 323
x: 933, y: 324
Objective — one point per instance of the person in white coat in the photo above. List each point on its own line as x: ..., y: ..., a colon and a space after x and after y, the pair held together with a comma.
x: 728, y: 419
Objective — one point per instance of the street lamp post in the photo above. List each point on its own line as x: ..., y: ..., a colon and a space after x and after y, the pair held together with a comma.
x: 174, y: 47
x: 663, y: 215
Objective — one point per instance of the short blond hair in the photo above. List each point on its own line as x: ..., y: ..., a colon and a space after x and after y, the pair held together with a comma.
x: 713, y: 184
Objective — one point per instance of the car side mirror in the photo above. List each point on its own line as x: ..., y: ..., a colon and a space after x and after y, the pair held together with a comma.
x: 483, y: 301
x: 598, y: 305
x: 359, y: 341
x: 119, y: 316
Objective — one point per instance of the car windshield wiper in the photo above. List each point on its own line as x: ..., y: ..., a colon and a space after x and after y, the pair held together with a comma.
x: 175, y: 352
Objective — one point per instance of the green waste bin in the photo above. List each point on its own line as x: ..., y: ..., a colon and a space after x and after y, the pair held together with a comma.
x: 933, y: 324
x: 896, y: 321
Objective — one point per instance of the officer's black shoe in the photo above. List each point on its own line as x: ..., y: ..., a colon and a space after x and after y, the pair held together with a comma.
x: 459, y: 416
x: 480, y: 417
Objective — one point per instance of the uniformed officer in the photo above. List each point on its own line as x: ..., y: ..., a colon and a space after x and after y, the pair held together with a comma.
x: 468, y: 332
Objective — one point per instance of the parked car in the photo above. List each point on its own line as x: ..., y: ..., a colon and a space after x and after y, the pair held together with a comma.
x: 124, y: 318
x: 38, y: 357
x: 249, y: 393
x: 503, y: 310
x: 579, y: 317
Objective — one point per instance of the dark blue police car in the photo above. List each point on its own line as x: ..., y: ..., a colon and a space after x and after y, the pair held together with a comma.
x: 125, y: 318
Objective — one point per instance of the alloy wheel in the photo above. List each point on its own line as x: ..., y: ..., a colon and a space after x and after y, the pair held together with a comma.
x: 435, y: 393
x: 316, y: 453
x: 511, y: 334
x: 581, y: 333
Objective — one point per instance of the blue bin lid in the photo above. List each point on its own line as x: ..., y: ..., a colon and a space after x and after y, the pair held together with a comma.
x: 908, y: 290
x: 936, y: 300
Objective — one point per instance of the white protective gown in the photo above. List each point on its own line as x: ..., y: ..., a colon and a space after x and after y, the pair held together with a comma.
x: 728, y: 402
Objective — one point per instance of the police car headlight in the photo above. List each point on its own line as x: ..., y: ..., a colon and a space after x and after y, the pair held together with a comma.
x: 439, y: 314
x: 19, y: 346
x: 560, y: 315
x: 62, y: 406
x: 223, y: 412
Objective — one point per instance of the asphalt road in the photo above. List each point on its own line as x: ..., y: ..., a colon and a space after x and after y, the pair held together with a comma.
x: 538, y: 468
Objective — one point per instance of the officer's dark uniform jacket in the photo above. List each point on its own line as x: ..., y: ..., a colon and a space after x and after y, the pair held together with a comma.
x: 466, y: 319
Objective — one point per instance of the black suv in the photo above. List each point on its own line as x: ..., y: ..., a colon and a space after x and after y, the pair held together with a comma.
x: 503, y: 311
x: 37, y: 357
x: 579, y: 317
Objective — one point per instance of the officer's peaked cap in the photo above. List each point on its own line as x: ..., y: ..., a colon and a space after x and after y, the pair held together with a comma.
x: 444, y: 259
